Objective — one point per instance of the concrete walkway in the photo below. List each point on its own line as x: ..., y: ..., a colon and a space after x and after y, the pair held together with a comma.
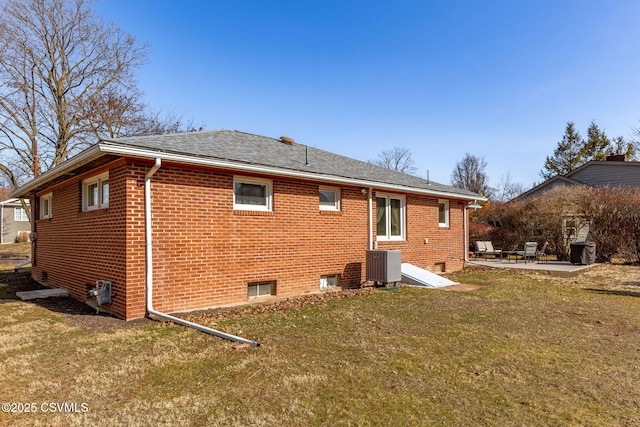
x: 562, y: 268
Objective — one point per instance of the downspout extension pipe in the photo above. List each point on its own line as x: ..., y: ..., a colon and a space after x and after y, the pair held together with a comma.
x: 149, y: 269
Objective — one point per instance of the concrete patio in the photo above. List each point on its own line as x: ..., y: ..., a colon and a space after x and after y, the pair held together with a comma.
x: 560, y: 268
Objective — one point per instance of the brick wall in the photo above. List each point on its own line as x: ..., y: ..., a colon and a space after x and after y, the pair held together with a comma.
x: 73, y: 249
x: 205, y: 253
x: 445, y: 245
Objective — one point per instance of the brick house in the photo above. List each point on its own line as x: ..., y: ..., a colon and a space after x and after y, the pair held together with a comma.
x: 219, y: 218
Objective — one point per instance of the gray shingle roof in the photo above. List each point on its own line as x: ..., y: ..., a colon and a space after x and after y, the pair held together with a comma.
x: 252, y: 149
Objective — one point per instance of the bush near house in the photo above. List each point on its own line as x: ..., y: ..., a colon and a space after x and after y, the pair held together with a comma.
x: 609, y: 215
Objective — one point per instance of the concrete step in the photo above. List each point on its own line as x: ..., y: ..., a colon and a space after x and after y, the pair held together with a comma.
x: 42, y: 293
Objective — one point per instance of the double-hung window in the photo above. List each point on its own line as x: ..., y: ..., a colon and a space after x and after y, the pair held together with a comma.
x: 443, y: 213
x: 390, y: 217
x: 45, y: 206
x: 95, y: 192
x: 329, y: 198
x: 252, y: 194
x: 20, y: 215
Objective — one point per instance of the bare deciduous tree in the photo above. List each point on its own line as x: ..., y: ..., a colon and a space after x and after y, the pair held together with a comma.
x: 507, y: 189
x: 114, y: 114
x: 397, y: 159
x: 469, y: 174
x: 66, y: 80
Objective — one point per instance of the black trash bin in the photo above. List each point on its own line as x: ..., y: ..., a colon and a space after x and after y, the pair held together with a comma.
x: 583, y: 253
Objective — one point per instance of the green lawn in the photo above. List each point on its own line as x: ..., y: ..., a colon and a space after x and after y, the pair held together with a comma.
x: 15, y: 249
x: 525, y: 349
x: 13, y: 254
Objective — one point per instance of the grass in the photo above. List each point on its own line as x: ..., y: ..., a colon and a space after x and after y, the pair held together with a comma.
x: 526, y: 349
x: 16, y: 249
x: 11, y: 252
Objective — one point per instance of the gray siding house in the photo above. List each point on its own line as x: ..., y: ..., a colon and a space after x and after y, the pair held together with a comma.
x: 14, y: 222
x: 613, y: 172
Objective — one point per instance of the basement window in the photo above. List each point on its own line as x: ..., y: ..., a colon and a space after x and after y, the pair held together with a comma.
x: 95, y: 192
x: 329, y: 281
x: 261, y: 289
x: 252, y: 194
x: 45, y: 206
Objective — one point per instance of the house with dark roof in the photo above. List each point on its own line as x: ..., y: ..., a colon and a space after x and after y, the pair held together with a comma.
x: 615, y: 171
x: 210, y: 219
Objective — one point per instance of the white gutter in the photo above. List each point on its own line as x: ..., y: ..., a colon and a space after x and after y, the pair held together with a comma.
x: 85, y: 156
x: 149, y: 268
x: 105, y: 147
x: 271, y: 170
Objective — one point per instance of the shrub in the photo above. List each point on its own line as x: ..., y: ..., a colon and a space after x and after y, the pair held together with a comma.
x: 608, y: 216
x: 22, y: 236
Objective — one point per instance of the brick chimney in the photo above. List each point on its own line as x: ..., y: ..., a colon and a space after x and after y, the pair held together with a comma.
x: 617, y: 158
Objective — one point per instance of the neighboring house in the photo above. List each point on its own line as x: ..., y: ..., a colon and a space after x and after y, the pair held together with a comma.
x: 614, y: 172
x: 226, y: 217
x: 14, y: 222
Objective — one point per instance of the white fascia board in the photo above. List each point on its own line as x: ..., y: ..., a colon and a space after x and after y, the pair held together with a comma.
x: 12, y: 202
x: 105, y: 147
x: 270, y: 170
x: 85, y: 156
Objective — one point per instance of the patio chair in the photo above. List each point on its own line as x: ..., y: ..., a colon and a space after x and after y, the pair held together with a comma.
x: 481, y: 249
x: 542, y: 253
x: 491, y: 251
x: 530, y: 251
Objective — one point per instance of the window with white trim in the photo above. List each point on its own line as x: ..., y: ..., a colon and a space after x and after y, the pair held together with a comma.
x: 261, y: 289
x: 95, y: 192
x: 252, y: 194
x: 390, y: 217
x: 443, y: 213
x: 329, y: 198
x: 20, y: 215
x: 45, y: 206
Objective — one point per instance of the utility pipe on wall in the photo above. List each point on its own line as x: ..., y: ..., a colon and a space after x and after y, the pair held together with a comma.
x: 149, y: 269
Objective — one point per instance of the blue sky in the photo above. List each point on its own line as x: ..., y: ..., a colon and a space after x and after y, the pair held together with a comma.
x: 496, y: 79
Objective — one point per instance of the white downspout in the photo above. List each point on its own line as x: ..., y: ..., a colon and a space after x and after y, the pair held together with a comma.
x: 1, y: 223
x: 370, y: 197
x: 149, y: 269
x: 466, y: 232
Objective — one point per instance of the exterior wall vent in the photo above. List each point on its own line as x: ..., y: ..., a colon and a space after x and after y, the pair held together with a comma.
x: 384, y: 266
x: 287, y: 140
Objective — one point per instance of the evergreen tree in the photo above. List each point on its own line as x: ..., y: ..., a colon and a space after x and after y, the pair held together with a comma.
x: 568, y: 155
x: 598, y: 145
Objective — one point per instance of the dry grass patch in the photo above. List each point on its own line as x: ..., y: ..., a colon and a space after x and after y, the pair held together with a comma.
x: 15, y: 249
x: 525, y: 349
